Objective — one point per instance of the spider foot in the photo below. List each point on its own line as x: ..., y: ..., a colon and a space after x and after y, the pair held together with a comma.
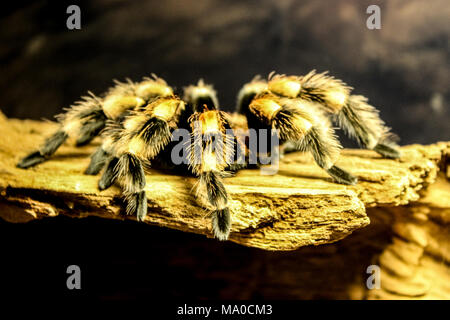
x: 139, y: 200
x: 387, y: 151
x: 109, y: 176
x: 221, y: 223
x: 31, y: 160
x: 98, y: 160
x: 342, y: 176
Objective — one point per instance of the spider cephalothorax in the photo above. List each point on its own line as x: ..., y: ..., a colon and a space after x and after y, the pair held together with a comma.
x: 138, y: 121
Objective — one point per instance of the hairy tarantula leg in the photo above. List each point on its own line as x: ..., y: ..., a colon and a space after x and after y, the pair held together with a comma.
x: 239, y: 162
x: 85, y: 118
x: 137, y: 205
x: 30, y: 160
x: 49, y: 148
x: 217, y: 196
x: 299, y: 122
x: 341, y: 176
x: 387, y: 151
x: 90, y: 130
x: 98, y: 161
x: 141, y: 137
x: 210, y: 152
x: 322, y: 145
x: 110, y: 174
x: 221, y: 223
x: 361, y: 121
x: 132, y: 177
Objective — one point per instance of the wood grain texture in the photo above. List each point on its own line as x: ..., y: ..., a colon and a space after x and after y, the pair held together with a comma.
x: 298, y: 206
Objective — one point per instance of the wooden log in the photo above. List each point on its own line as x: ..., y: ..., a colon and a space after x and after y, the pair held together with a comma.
x: 298, y: 206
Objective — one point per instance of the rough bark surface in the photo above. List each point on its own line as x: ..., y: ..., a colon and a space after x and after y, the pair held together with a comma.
x: 299, y: 206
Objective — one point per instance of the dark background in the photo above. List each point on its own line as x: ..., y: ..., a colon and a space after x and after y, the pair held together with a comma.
x: 403, y: 69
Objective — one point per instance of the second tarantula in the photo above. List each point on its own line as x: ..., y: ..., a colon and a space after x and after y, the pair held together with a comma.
x: 138, y: 119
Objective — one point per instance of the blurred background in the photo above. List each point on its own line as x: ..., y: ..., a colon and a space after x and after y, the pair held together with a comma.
x: 403, y: 69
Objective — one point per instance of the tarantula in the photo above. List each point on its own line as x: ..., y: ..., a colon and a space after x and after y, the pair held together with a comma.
x: 137, y: 122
